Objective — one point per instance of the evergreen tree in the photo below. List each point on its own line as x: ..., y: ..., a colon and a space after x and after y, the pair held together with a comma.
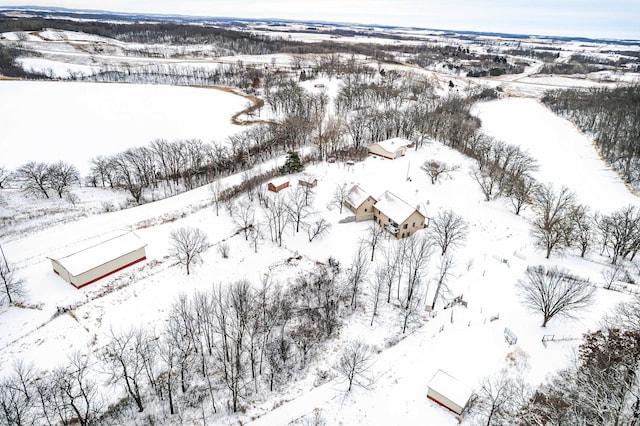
x: 293, y: 163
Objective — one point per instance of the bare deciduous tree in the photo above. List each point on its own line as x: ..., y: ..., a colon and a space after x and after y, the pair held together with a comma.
x: 102, y: 171
x: 612, y: 273
x: 187, y: 245
x: 12, y: 288
x: 244, y: 217
x: 77, y: 393
x: 374, y: 238
x: 625, y: 315
x: 554, y: 292
x: 418, y: 252
x: 216, y: 195
x: 318, y: 228
x: 354, y: 363
x: 255, y: 236
x: 583, y: 228
x: 446, y: 263
x: 223, y: 249
x: 168, y: 356
x: 434, y: 169
x: 277, y: 217
x: 499, y: 398
x: 448, y: 229
x: 358, y: 274
x: 17, y: 397
x: 620, y: 232
x: 233, y: 306
x: 298, y: 207
x: 124, y: 357
x: 339, y: 196
x: 488, y: 179
x: 552, y: 222
x: 376, y: 286
x: 411, y: 312
x: 34, y: 177
x: 5, y: 175
x: 521, y: 191
x: 61, y: 176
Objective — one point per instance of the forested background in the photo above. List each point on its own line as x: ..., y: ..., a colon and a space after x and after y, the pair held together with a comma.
x: 611, y: 117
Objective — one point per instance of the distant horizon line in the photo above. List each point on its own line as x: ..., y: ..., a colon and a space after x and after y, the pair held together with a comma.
x: 175, y: 16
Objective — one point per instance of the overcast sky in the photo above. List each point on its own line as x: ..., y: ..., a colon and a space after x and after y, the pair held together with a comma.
x: 587, y: 18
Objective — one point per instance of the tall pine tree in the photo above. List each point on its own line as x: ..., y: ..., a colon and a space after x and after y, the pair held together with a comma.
x: 293, y: 164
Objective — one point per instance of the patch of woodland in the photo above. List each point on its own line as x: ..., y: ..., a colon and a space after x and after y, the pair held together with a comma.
x: 611, y: 117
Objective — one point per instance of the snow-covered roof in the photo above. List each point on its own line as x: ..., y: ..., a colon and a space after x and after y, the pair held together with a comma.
x: 393, y: 207
x: 279, y: 181
x: 451, y: 388
x: 356, y: 196
x: 393, y: 144
x: 94, y: 256
x: 307, y: 178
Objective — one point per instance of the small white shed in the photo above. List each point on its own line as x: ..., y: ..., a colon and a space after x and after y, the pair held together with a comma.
x: 96, y: 262
x: 449, y: 392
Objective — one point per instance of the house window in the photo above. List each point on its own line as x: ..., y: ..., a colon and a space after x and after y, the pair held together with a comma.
x: 402, y: 235
x: 405, y: 226
x: 365, y: 210
x: 414, y: 225
x: 389, y: 219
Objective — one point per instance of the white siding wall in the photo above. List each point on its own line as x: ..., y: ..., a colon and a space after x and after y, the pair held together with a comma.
x: 108, y: 267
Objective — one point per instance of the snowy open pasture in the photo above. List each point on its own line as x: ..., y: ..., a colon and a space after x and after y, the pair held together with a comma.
x: 466, y: 342
x: 75, y: 122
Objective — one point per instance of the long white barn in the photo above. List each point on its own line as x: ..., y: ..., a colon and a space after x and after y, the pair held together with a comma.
x: 96, y: 262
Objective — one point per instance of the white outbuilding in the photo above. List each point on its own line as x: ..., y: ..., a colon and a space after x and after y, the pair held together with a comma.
x: 390, y: 148
x: 96, y: 262
x: 449, y: 392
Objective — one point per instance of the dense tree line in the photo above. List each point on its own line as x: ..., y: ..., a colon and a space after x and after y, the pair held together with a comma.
x: 611, y: 117
x: 218, y: 348
x: 227, y: 41
x: 9, y: 66
x: 233, y: 75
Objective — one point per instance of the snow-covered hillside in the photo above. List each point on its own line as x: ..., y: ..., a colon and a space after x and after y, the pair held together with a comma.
x: 463, y: 334
x: 463, y: 341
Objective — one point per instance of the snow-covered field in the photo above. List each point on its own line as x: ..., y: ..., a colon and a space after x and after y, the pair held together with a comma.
x: 75, y: 122
x: 462, y: 341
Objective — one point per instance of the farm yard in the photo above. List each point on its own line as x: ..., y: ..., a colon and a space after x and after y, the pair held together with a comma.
x: 412, y: 305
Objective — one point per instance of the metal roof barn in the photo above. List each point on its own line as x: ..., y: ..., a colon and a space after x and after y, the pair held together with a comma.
x: 96, y: 262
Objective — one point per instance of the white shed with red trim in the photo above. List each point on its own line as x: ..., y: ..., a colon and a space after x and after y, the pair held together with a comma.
x: 449, y: 392
x: 96, y: 262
